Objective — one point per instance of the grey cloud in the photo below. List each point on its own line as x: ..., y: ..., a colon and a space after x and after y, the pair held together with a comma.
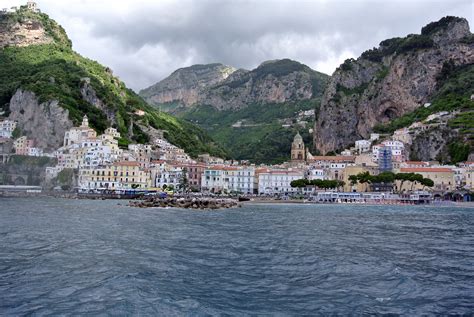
x: 147, y: 41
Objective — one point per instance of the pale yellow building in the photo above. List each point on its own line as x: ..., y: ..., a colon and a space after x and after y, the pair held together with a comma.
x: 120, y: 175
x: 469, y: 178
x: 354, y: 170
x: 442, y: 177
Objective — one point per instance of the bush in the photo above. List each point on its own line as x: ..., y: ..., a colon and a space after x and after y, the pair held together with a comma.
x: 458, y: 152
x: 439, y: 25
x: 415, y: 42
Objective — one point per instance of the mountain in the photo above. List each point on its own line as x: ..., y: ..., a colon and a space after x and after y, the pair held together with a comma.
x: 253, y: 114
x: 224, y: 87
x: 386, y: 87
x: 275, y: 81
x: 47, y: 88
x: 183, y: 86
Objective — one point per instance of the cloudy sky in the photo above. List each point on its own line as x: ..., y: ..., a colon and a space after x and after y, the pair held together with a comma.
x: 144, y: 41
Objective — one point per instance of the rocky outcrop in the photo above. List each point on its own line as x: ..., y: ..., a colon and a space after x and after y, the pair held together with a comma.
x: 45, y: 123
x: 89, y: 95
x: 275, y: 81
x: 387, y: 82
x: 184, y: 85
x: 28, y: 32
x: 185, y: 202
x: 272, y: 82
x: 433, y: 144
x: 27, y: 27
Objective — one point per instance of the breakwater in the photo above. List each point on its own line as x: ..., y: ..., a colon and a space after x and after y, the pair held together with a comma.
x: 185, y: 202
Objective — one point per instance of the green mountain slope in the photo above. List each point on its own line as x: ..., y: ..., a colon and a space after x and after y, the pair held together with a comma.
x: 260, y: 137
x: 255, y: 114
x: 53, y: 71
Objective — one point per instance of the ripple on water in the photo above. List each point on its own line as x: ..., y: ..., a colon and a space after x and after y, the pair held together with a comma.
x: 95, y: 257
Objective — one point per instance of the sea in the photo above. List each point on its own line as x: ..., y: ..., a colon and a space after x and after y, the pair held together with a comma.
x: 93, y: 257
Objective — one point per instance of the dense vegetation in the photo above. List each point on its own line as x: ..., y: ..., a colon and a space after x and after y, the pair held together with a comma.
x: 412, y: 42
x: 409, y: 43
x: 262, y: 138
x: 319, y: 183
x: 55, y: 72
x: 389, y: 177
x: 433, y: 27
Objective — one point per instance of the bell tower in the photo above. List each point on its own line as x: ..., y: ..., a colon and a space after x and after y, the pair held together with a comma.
x: 298, y: 153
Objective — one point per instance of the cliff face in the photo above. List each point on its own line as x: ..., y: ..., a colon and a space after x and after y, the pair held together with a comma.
x: 387, y: 82
x: 25, y: 27
x: 433, y: 144
x: 45, y: 123
x: 184, y: 85
x: 272, y: 82
x: 47, y: 88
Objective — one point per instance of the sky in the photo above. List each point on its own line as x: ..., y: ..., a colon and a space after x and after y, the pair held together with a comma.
x: 144, y: 41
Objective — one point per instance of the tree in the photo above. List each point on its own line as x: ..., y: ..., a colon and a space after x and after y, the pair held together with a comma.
x: 414, y: 178
x: 426, y: 182
x: 353, y: 179
x: 402, y: 177
x: 184, y: 183
x: 385, y: 177
x: 16, y: 133
x: 364, y: 178
x: 300, y: 183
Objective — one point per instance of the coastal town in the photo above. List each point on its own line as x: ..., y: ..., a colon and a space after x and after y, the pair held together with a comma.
x: 98, y: 165
x: 379, y: 167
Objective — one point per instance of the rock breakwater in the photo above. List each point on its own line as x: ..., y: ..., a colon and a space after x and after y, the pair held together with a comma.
x: 188, y: 203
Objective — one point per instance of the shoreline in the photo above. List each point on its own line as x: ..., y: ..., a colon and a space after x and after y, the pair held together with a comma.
x: 300, y: 202
x: 252, y: 201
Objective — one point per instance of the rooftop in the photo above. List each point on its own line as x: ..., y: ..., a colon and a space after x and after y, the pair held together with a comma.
x: 426, y: 169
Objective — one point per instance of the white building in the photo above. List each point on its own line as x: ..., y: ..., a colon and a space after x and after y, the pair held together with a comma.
x: 112, y: 132
x: 314, y: 173
x: 79, y: 134
x: 6, y: 128
x: 35, y: 151
x: 166, y: 175
x: 213, y: 180
x: 278, y: 181
x: 362, y: 146
x: 241, y: 179
x: 374, y: 136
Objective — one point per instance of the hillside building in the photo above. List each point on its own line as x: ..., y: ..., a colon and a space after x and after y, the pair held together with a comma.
x: 79, y: 134
x: 6, y: 128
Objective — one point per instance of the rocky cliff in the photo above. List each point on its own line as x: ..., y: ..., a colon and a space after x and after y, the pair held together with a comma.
x: 275, y: 81
x: 184, y: 85
x: 37, y: 120
x: 25, y: 27
x: 387, y: 82
x: 47, y: 88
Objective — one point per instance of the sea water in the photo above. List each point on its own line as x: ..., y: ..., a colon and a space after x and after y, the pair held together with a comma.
x: 81, y: 257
